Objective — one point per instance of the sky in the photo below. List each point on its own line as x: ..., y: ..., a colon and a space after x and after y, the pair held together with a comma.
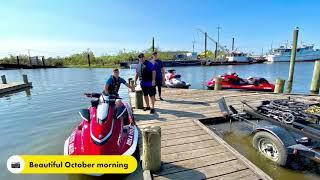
x: 63, y: 27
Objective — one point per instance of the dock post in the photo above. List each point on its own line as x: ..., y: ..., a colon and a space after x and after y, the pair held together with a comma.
x: 151, y: 156
x: 25, y: 79
x: 139, y: 99
x: 4, y: 80
x: 314, y: 88
x: 131, y: 82
x: 292, y: 60
x: 217, y: 85
x: 129, y: 79
x: 279, y: 86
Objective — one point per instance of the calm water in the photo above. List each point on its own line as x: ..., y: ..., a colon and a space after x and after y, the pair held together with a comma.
x: 40, y: 122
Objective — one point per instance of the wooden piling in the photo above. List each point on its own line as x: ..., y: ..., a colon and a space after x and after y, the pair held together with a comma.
x: 131, y: 82
x: 139, y: 99
x: 151, y: 156
x: 4, y: 80
x: 25, y: 79
x: 314, y: 88
x: 129, y: 79
x: 217, y: 85
x: 292, y: 60
x: 279, y: 86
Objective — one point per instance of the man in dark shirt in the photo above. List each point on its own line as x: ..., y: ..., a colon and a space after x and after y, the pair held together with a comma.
x: 158, y: 65
x: 148, y: 75
x: 113, y: 83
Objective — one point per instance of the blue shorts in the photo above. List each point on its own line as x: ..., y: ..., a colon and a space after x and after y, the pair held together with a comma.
x: 151, y: 91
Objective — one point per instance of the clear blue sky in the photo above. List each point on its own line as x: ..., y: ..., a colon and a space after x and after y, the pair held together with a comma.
x: 61, y: 27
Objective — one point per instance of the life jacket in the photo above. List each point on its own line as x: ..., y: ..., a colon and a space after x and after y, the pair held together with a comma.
x: 115, y: 86
x: 146, y: 74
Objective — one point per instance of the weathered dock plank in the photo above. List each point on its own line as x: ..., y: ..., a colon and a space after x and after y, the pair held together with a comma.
x: 189, y: 150
x: 12, y: 87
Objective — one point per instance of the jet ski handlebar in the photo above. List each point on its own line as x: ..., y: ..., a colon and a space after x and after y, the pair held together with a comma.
x: 97, y: 95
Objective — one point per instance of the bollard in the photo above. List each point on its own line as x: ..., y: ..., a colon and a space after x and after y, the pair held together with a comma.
x: 139, y: 99
x: 25, y: 79
x: 131, y: 82
x: 314, y: 88
x: 4, y: 80
x: 129, y: 79
x: 279, y: 86
x: 217, y: 85
x: 151, y: 156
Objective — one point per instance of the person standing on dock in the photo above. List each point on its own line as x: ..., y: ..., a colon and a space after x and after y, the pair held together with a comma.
x: 113, y: 84
x: 148, y: 82
x: 160, y: 71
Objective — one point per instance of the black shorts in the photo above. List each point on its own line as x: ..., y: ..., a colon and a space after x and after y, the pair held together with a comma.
x: 151, y: 91
x: 158, y: 83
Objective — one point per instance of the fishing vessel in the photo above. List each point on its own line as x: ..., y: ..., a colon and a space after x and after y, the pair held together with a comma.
x: 304, y: 53
x: 237, y: 56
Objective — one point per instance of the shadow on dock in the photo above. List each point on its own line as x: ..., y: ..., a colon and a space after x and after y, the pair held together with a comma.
x: 188, y: 102
x: 175, y: 113
x: 172, y: 171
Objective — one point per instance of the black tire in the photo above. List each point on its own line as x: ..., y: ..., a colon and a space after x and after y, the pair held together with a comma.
x: 263, y: 137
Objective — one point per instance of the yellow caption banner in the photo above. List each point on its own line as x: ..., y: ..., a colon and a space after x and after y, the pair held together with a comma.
x: 60, y: 164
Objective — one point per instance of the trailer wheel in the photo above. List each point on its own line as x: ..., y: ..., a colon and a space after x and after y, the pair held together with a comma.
x: 271, y: 147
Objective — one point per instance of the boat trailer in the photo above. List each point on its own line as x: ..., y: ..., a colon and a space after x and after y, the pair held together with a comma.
x: 288, y: 132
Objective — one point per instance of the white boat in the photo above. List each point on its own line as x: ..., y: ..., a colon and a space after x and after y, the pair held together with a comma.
x: 237, y: 56
x: 304, y: 53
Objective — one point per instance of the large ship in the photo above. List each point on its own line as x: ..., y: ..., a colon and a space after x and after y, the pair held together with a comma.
x: 304, y: 53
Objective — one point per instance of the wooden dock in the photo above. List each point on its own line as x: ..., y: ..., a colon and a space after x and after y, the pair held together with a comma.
x: 189, y: 150
x: 6, y: 88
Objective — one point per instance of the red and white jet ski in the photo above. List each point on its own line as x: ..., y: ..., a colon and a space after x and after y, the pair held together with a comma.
x: 107, y: 128
x: 233, y: 81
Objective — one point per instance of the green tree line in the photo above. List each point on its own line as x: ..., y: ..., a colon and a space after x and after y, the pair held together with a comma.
x: 81, y: 59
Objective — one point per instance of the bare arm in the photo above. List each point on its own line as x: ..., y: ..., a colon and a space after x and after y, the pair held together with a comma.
x: 135, y: 78
x: 129, y: 86
x: 153, y: 75
x: 106, y: 87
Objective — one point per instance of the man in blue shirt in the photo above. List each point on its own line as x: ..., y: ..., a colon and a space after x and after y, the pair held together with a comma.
x: 113, y: 84
x: 158, y: 65
x: 148, y: 82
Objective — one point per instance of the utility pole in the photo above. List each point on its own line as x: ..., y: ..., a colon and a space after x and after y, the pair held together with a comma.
x: 152, y: 44
x: 43, y: 63
x: 89, y: 60
x: 219, y: 34
x: 193, y: 42
x: 205, y: 44
x: 232, y: 47
x: 216, y: 52
x: 292, y: 60
x: 18, y: 62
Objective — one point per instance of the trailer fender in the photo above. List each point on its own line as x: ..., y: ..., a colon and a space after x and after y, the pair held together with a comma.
x: 280, y: 133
